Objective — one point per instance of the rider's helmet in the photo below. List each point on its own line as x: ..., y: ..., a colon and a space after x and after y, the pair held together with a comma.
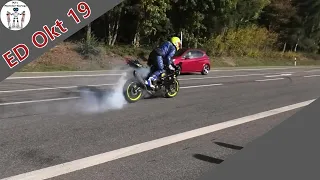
x: 176, y: 42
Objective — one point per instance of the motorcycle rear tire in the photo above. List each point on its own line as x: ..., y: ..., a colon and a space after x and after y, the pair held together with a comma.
x: 129, y: 93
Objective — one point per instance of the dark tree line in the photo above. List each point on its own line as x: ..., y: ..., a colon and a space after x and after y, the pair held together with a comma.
x: 148, y: 22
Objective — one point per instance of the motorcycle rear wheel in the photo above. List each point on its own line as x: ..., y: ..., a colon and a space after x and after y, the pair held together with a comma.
x: 132, y: 91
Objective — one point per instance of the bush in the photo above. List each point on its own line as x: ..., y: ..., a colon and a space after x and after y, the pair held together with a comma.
x: 89, y: 48
x: 249, y: 41
x: 128, y: 50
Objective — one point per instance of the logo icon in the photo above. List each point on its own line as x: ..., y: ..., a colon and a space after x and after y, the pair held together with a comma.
x: 15, y: 15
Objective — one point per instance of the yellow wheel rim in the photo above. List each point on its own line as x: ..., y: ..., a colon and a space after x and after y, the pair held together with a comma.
x: 176, y: 90
x: 128, y: 94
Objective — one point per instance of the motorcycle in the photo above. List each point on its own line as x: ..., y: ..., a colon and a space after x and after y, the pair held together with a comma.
x: 135, y: 87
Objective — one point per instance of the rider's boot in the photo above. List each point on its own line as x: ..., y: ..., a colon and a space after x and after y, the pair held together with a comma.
x: 150, y: 81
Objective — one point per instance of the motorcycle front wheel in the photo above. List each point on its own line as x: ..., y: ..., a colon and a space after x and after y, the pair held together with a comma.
x: 173, y: 89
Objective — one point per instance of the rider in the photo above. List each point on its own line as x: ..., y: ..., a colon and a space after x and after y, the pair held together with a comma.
x: 160, y: 56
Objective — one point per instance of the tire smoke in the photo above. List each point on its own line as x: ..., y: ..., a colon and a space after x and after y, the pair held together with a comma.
x: 94, y: 100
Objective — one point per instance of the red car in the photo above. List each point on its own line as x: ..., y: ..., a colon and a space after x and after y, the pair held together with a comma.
x: 192, y: 60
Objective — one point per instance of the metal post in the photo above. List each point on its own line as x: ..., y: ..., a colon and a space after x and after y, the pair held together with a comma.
x: 181, y: 37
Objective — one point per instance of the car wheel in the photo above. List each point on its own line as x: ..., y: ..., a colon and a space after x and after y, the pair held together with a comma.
x: 178, y: 70
x: 205, y: 70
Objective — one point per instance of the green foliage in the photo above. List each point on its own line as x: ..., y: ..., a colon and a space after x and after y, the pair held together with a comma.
x: 89, y: 47
x: 127, y: 50
x: 223, y: 27
x: 155, y: 14
x: 249, y: 41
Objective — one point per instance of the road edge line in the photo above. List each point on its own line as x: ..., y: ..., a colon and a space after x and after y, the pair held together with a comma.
x: 94, y: 160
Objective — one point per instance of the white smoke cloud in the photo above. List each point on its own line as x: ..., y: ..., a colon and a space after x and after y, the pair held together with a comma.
x: 93, y: 100
x: 144, y: 72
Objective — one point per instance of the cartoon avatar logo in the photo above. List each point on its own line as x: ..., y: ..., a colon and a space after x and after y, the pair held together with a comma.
x: 15, y: 15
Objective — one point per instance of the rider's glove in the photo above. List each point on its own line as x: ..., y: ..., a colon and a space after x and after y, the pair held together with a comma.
x: 171, y: 67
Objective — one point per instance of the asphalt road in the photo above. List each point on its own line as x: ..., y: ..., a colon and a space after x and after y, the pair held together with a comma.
x: 42, y: 125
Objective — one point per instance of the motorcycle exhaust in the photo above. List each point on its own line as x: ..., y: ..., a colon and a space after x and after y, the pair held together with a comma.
x: 140, y: 79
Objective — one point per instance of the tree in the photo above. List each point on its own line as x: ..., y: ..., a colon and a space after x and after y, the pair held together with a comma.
x: 304, y: 31
x: 146, y: 22
x: 88, y: 35
x: 113, y: 17
x: 190, y: 16
x: 151, y: 15
x: 313, y: 22
x: 278, y: 17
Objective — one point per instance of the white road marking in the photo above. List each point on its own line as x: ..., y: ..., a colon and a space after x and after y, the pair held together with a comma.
x: 70, y: 87
x: 51, y: 88
x: 63, y: 76
x: 217, y: 77
x: 68, y: 98
x: 262, y: 80
x: 317, y: 75
x: 254, y: 69
x: 231, y: 76
x: 277, y: 75
x: 108, y: 74
x: 49, y: 72
x: 87, y: 162
x: 314, y: 70
x: 97, y: 85
x: 234, y: 69
x: 37, y: 101
x: 198, y: 86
